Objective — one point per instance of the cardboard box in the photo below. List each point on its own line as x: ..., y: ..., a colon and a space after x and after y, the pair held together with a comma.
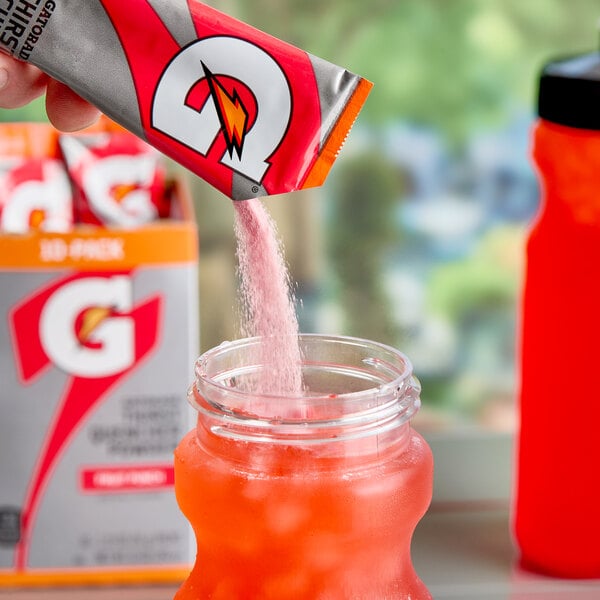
x: 98, y: 336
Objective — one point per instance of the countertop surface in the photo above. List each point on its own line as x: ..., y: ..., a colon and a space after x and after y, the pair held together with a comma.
x: 460, y: 554
x: 469, y: 555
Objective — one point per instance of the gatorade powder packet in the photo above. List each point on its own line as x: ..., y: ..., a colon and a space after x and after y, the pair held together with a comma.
x: 247, y: 112
x: 35, y: 192
x: 118, y: 180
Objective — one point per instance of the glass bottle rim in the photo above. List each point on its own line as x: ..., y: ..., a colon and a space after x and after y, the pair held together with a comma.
x: 388, y: 394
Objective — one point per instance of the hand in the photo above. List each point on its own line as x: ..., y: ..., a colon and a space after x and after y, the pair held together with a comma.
x: 20, y: 83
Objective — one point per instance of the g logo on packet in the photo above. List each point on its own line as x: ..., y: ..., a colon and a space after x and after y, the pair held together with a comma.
x: 35, y: 191
x: 249, y: 113
x: 251, y: 109
x: 118, y: 180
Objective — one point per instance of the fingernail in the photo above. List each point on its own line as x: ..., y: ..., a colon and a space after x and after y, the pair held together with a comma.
x: 3, y: 77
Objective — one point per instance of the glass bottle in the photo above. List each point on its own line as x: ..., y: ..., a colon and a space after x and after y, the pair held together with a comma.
x: 557, y: 495
x: 307, y: 497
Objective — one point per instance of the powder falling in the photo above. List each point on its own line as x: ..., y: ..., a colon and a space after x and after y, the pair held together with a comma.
x: 267, y: 302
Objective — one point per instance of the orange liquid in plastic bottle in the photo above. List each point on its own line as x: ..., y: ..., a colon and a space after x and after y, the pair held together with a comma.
x: 321, y: 505
x: 557, y: 503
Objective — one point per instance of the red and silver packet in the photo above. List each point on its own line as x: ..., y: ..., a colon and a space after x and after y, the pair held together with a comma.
x: 118, y: 180
x: 247, y: 112
x: 35, y: 192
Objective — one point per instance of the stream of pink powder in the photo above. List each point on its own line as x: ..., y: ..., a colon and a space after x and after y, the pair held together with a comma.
x: 267, y: 302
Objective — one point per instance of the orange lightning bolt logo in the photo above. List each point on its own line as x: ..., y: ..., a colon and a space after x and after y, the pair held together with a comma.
x: 91, y: 319
x: 232, y: 113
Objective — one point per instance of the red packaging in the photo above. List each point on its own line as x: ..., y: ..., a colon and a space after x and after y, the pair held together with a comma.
x: 35, y: 193
x: 118, y: 180
x: 247, y: 112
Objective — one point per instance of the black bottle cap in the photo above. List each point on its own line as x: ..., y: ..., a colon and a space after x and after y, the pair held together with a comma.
x: 569, y: 91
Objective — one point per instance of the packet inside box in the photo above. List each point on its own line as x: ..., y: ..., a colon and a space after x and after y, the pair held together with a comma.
x: 98, y: 334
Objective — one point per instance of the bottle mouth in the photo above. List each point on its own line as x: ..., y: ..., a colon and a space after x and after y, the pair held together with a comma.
x: 351, y: 388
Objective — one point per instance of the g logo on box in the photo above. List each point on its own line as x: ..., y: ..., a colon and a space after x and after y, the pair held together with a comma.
x: 86, y: 325
x: 229, y: 86
x: 85, y: 330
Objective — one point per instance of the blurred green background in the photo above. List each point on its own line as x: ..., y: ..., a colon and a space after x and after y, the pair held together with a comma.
x: 416, y: 239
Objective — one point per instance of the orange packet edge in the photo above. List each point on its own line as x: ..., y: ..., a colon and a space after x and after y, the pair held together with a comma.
x: 319, y: 170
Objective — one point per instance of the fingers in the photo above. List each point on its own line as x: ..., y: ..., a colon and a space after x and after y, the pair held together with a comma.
x: 20, y: 83
x: 66, y: 110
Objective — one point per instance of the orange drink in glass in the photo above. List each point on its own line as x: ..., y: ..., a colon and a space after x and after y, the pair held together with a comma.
x: 305, y: 497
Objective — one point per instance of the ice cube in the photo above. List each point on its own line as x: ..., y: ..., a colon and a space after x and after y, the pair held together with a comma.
x: 284, y: 518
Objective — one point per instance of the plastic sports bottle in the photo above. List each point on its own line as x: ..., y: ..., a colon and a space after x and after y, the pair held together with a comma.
x: 557, y: 496
x: 313, y: 496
